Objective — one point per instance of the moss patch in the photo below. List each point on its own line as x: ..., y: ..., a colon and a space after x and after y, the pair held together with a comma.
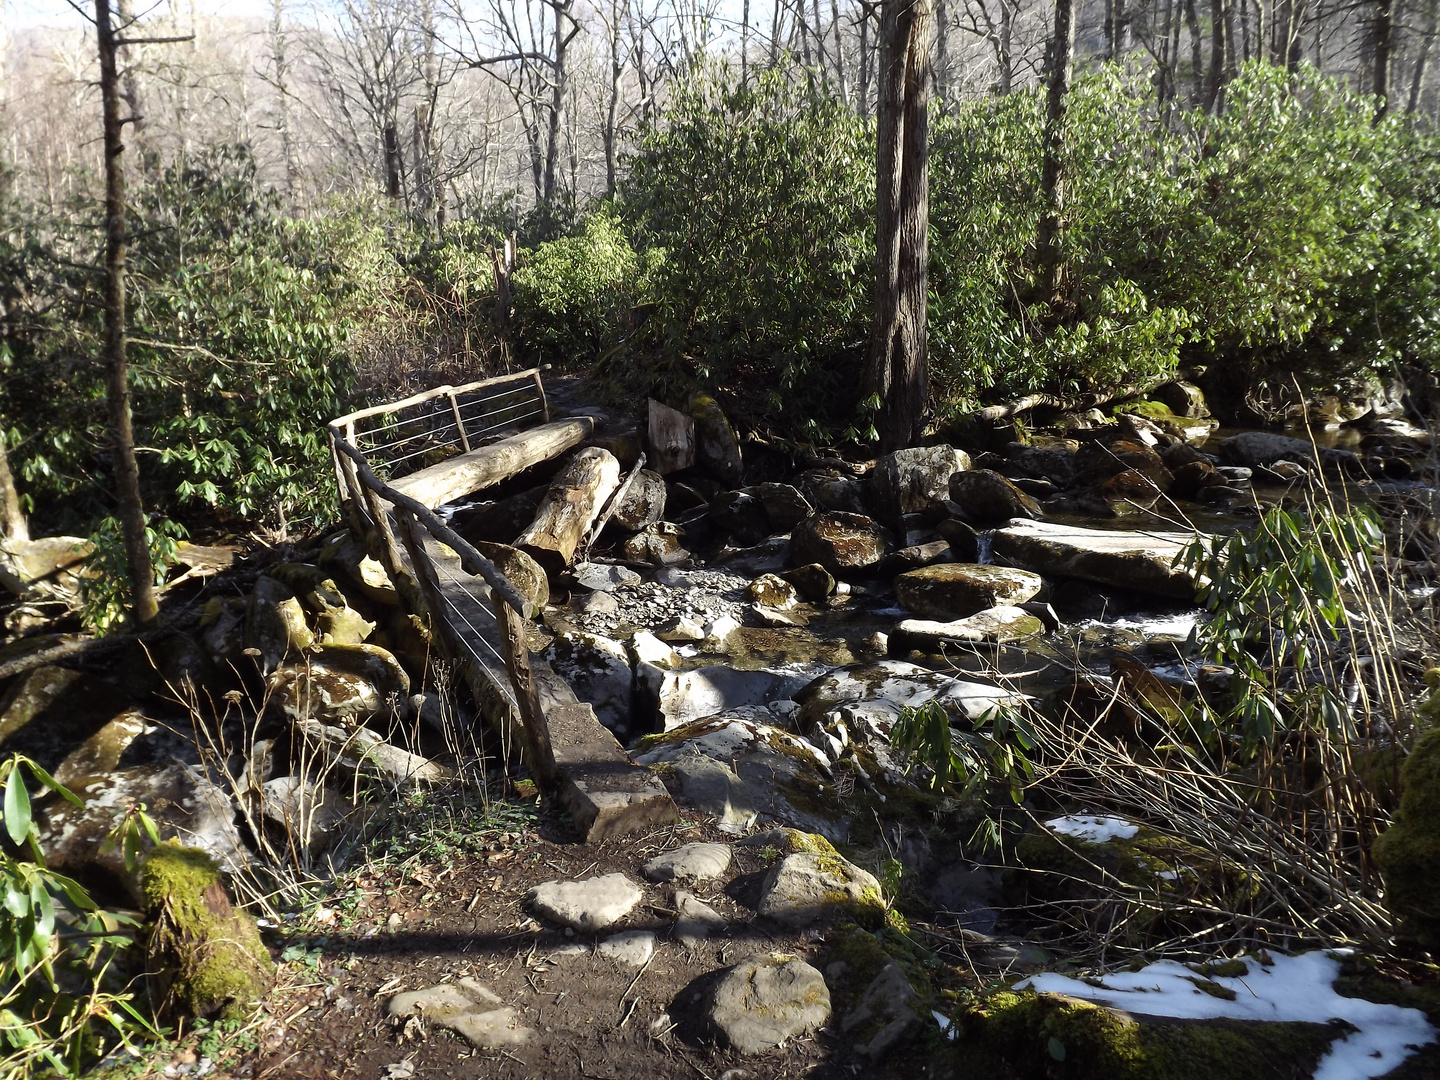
x: 1408, y: 853
x: 1024, y: 1034
x: 208, y: 956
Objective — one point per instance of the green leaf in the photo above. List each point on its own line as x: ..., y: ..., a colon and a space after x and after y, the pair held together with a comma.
x: 17, y: 808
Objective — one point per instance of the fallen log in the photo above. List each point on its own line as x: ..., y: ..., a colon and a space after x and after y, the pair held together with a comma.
x: 570, y: 507
x: 996, y: 413
x: 488, y: 465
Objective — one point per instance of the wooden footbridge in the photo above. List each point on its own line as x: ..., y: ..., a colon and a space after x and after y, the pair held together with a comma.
x: 395, y: 464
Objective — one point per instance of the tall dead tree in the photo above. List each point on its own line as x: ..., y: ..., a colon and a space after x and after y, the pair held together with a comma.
x: 1384, y: 32
x: 898, y: 369
x: 1050, y: 241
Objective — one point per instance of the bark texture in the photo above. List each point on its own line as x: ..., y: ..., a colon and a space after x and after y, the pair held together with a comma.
x: 898, y: 369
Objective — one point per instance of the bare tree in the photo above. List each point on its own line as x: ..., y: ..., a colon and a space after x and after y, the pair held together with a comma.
x: 1049, y: 244
x: 898, y: 370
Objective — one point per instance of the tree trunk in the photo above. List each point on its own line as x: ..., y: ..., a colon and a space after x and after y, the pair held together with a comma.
x: 1050, y: 242
x: 282, y: 91
x: 1384, y: 40
x: 144, y: 608
x: 1007, y: 48
x: 1197, y: 66
x: 392, y: 161
x: 898, y: 372
x: 13, y: 526
x: 557, y: 100
x: 1417, y: 79
x: 1216, y: 78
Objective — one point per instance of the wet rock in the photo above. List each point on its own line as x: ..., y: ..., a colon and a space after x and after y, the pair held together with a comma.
x: 468, y: 1008
x: 1192, y: 477
x: 963, y: 540
x: 275, y: 623
x: 742, y: 515
x: 48, y: 567
x: 909, y: 481
x: 344, y: 551
x: 643, y: 504
x: 1046, y: 457
x: 689, y: 863
x: 734, y: 769
x: 718, y: 631
x: 817, y: 887
x: 340, y: 684
x: 697, y: 920
x: 633, y: 948
x: 916, y: 556
x: 838, y: 541
x: 869, y: 697
x: 1182, y: 399
x: 761, y: 1003
x: 886, y: 1013
x: 767, y: 557
x: 830, y: 489
x: 998, y: 625
x: 343, y: 626
x: 1143, y: 460
x: 784, y: 504
x: 1260, y: 449
x: 183, y: 804
x: 598, y: 670
x: 686, y: 696
x: 522, y: 571
x: 716, y: 447
x: 812, y: 581
x: 1138, y: 561
x: 987, y: 498
x: 658, y: 544
x: 308, y: 814
x: 956, y: 590
x: 589, y: 905
x: 1127, y: 492
x: 682, y: 630
x: 771, y: 591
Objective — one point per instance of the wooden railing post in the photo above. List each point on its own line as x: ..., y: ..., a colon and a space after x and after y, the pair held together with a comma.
x: 534, y: 730
x: 459, y: 423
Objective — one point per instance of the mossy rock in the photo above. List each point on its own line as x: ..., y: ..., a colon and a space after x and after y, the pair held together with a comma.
x: 206, y: 956
x: 1151, y: 410
x: 1079, y: 875
x: 1408, y: 853
x: 1025, y: 1034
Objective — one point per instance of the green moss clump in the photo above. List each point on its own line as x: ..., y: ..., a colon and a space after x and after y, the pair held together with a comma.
x: 1152, y: 410
x: 207, y: 956
x: 1025, y: 1034
x: 1408, y: 853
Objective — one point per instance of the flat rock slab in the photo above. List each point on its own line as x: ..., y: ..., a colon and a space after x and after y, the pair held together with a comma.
x: 808, y: 888
x: 634, y: 947
x: 590, y: 905
x: 693, y: 862
x: 697, y: 921
x: 761, y: 1003
x: 468, y: 1008
x: 1000, y: 625
x: 1140, y: 561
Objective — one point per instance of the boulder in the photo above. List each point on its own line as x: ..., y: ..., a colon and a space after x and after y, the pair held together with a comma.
x: 772, y: 591
x: 686, y: 696
x: 838, y: 541
x: 1127, y: 492
x: 817, y: 887
x: 998, y: 625
x: 46, y: 568
x: 362, y: 751
x: 634, y: 948
x: 955, y: 590
x: 658, y: 544
x: 964, y: 541
x: 1408, y: 852
x: 589, y: 905
x: 521, y: 569
x: 830, y: 489
x: 346, y: 552
x: 784, y: 504
x: 767, y: 557
x: 1046, y: 457
x: 869, y: 697
x: 184, y: 805
x: 1182, y: 399
x: 741, y: 515
x: 912, y: 480
x: 468, y: 1008
x: 309, y: 815
x: 759, y: 1004
x: 689, y: 863
x: 48, y: 712
x: 886, y: 1013
x: 735, y: 769
x: 643, y: 504
x: 716, y: 447
x: 812, y: 581
x: 916, y: 556
x: 987, y: 498
x: 340, y: 684
x: 696, y: 920
x: 275, y: 623
x: 1142, y: 562
x: 603, y: 577
x: 1192, y: 477
x: 1261, y: 449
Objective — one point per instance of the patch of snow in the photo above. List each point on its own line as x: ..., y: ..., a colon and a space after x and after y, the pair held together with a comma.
x: 1177, y: 625
x: 1292, y: 988
x: 945, y: 1025
x: 1092, y: 827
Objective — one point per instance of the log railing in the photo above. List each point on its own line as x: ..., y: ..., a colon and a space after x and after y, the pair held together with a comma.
x: 401, y: 535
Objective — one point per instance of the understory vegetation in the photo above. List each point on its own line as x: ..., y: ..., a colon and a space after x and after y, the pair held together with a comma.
x: 1288, y: 234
